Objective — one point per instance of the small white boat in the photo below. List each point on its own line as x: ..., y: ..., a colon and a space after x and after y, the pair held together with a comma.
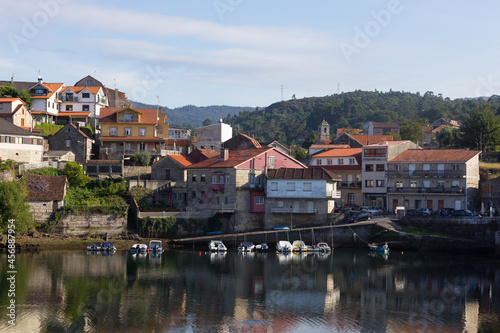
x: 155, y: 246
x: 284, y: 246
x: 217, y: 246
x: 299, y: 246
x: 246, y: 247
x: 139, y: 248
x: 107, y: 246
x: 380, y: 249
x: 261, y: 247
x: 322, y: 247
x: 94, y: 247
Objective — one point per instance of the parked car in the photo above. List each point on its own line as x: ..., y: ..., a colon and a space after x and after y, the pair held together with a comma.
x: 373, y: 210
x: 361, y: 216
x: 445, y: 212
x: 425, y: 212
x: 462, y: 212
x: 412, y: 212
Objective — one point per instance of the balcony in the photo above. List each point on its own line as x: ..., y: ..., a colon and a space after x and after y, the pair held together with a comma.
x: 351, y: 184
x: 425, y: 174
x: 125, y: 120
x: 288, y: 210
x: 333, y: 194
x: 430, y: 190
x: 66, y: 98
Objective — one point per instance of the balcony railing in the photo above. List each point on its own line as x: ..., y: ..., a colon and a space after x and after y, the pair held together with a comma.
x: 433, y: 190
x: 350, y: 184
x: 66, y: 98
x: 124, y: 120
x: 284, y: 210
x: 333, y: 194
x: 425, y: 174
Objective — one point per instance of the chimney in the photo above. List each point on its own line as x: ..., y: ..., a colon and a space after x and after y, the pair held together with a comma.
x: 40, y: 80
x: 224, y: 154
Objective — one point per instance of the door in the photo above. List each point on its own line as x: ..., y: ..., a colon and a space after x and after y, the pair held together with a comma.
x: 394, y: 205
x: 440, y: 204
x: 458, y: 204
x: 407, y: 204
x: 411, y: 169
x: 310, y: 206
x: 429, y: 204
x: 440, y: 169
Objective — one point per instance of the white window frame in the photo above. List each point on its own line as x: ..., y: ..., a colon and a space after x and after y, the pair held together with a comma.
x: 274, y: 186
x: 290, y: 186
x: 307, y: 187
x: 259, y: 200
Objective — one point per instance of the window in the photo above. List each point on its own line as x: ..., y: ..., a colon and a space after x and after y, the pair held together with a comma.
x: 380, y: 183
x: 455, y: 183
x: 88, y: 82
x: 226, y: 200
x: 85, y: 95
x: 399, y: 184
x: 202, y: 179
x: 341, y: 161
x: 368, y: 167
x: 227, y: 179
x: 69, y: 107
x: 113, y: 147
x: 290, y: 186
x: 329, y: 161
x: 128, y: 116
x: 352, y: 161
x: 259, y: 200
x: 375, y: 152
x: 142, y: 146
x: 318, y: 162
x: 251, y: 180
x: 7, y: 139
x: 193, y: 177
x: 1, y: 106
x: 397, y: 167
x: 214, y: 179
x: 142, y: 131
x: 271, y: 162
x: 68, y: 143
x: 113, y: 131
x: 380, y: 167
x: 85, y: 107
x: 440, y: 184
x: 274, y: 186
x: 307, y: 186
x: 193, y: 194
x: 426, y: 183
x: 351, y: 198
x: 426, y: 167
x: 413, y: 183
x: 280, y: 204
x: 455, y: 167
x: 127, y: 131
x: 369, y: 183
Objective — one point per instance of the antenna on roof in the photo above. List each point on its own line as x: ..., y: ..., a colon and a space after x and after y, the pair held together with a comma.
x: 114, y: 83
x: 282, y: 92
x: 158, y: 109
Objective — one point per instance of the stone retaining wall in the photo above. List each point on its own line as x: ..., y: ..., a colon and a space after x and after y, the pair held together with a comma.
x: 79, y: 224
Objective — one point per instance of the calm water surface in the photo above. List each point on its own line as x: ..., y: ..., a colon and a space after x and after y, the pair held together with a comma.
x: 191, y: 291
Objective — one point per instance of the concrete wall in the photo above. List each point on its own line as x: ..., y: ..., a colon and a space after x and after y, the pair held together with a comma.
x: 29, y: 153
x: 78, y: 224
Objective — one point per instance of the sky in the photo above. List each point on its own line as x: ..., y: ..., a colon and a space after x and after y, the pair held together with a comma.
x: 254, y: 52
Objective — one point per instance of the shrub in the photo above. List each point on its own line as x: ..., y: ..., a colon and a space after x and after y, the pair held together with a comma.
x: 13, y: 206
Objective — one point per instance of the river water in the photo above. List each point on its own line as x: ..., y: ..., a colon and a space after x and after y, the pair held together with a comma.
x: 191, y: 291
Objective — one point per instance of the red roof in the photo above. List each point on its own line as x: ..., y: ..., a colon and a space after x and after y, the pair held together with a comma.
x: 435, y: 155
x: 353, y: 131
x: 131, y: 138
x: 83, y: 113
x: 340, y: 152
x: 235, y: 158
x: 371, y: 139
x: 44, y: 188
x: 301, y: 173
x: 11, y: 99
x: 182, y: 159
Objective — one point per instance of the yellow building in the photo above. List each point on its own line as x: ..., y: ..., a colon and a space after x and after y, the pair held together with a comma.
x: 126, y: 131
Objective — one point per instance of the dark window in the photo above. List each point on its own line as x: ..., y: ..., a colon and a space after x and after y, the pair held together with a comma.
x: 369, y: 183
x: 368, y: 167
x: 380, y: 167
x: 85, y: 108
x: 375, y: 152
x: 85, y: 95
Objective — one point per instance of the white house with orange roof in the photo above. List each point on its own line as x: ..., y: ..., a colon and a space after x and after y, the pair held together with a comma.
x: 346, y: 163
x: 82, y: 104
x: 434, y: 179
x: 45, y: 100
x: 15, y: 111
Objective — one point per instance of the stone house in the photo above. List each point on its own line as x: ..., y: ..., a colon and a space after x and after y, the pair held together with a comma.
x: 71, y: 138
x: 345, y: 163
x: 58, y: 158
x: 15, y: 111
x: 435, y: 179
x: 241, y: 141
x: 299, y: 196
x: 233, y: 184
x: 45, y: 195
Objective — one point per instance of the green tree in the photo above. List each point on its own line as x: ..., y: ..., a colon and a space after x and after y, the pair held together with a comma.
x: 142, y: 158
x: 449, y: 136
x: 8, y: 90
x: 206, y: 122
x: 14, y: 207
x: 412, y: 130
x: 481, y: 129
x: 395, y: 136
x: 75, y: 175
x: 311, y: 139
x: 300, y: 155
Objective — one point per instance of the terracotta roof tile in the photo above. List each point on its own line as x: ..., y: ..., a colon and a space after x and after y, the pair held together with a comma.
x: 299, y: 173
x: 235, y: 158
x: 11, y: 99
x: 147, y: 116
x: 340, y: 152
x: 44, y: 188
x: 435, y: 155
x: 370, y: 139
x: 182, y: 159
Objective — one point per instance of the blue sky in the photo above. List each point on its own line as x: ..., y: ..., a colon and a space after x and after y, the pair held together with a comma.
x: 241, y: 52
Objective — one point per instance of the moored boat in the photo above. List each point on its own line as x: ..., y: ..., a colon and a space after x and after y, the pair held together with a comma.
x: 299, y: 246
x: 376, y: 248
x: 217, y: 246
x: 246, y: 247
x: 155, y: 246
x: 94, y: 247
x: 322, y: 247
x: 261, y: 247
x: 136, y: 248
x: 284, y: 246
x: 107, y: 246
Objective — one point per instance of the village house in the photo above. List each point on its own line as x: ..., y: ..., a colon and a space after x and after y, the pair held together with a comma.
x: 114, y: 97
x: 358, y: 141
x: 45, y: 100
x: 127, y: 131
x: 445, y: 121
x: 374, y: 167
x: 71, y: 138
x: 18, y: 144
x: 233, y: 184
x: 380, y: 128
x: 300, y: 196
x: 241, y: 141
x: 82, y: 105
x: 178, y: 140
x: 345, y: 163
x: 490, y: 195
x: 58, y: 158
x: 212, y: 136
x: 434, y: 179
x: 15, y: 111
x: 45, y: 195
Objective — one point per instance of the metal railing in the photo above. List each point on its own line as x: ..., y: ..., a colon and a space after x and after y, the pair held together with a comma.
x: 125, y: 120
x: 425, y: 174
x: 434, y: 190
x: 66, y: 98
x: 333, y: 194
x: 285, y: 210
x: 350, y: 184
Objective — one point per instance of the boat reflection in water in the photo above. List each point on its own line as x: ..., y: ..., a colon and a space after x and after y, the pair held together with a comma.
x: 154, y: 257
x: 293, y: 292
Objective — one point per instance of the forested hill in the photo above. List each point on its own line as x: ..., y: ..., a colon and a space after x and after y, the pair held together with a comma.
x: 192, y: 116
x: 285, y: 121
